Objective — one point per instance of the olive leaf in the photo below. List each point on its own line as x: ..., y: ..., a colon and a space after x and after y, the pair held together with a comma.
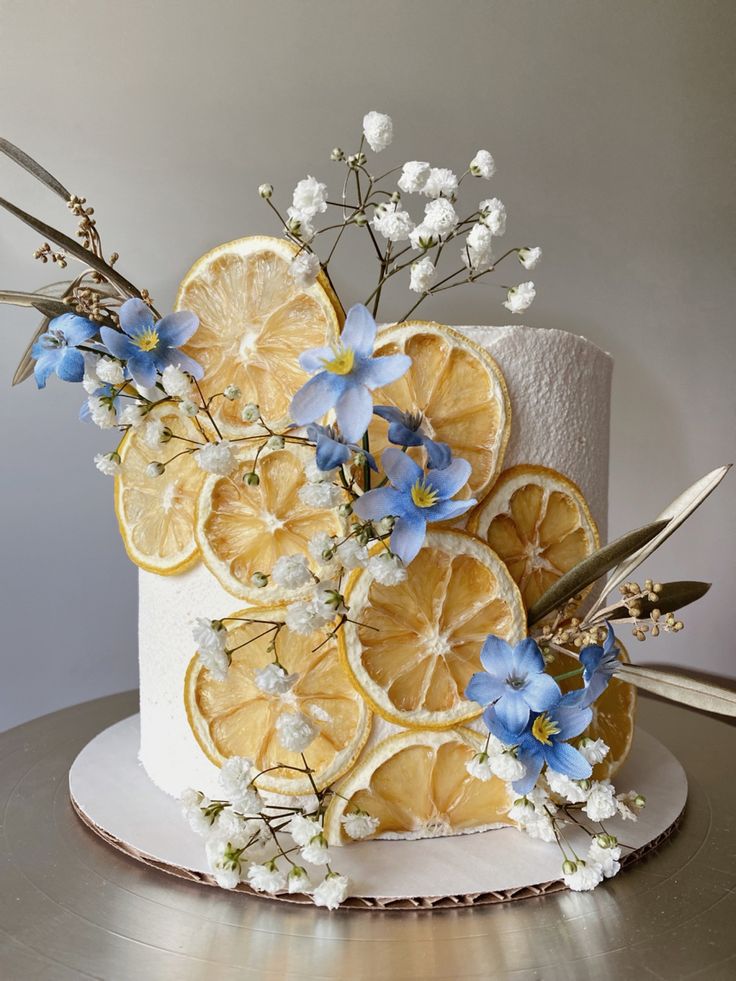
x: 674, y: 515
x: 33, y: 167
x: 25, y: 365
x: 673, y: 596
x: 73, y: 248
x: 680, y: 688
x: 591, y: 569
x: 49, y: 306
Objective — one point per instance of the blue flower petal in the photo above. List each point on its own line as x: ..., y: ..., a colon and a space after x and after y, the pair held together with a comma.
x: 75, y: 329
x: 377, y: 372
x: 497, y: 657
x: 359, y: 332
x: 541, y: 692
x: 445, y: 510
x: 400, y: 469
x: 176, y: 328
x: 571, y: 718
x: 142, y: 369
x: 590, y: 657
x: 70, y: 366
x: 316, y: 397
x: 330, y: 453
x: 498, y: 729
x: 448, y: 482
x: 314, y: 359
x: 390, y: 413
x: 528, y: 657
x: 401, y: 435
x: 118, y: 344
x: 484, y: 689
x: 408, y: 537
x: 45, y: 365
x: 378, y: 503
x: 135, y: 317
x: 533, y: 760
x: 512, y: 710
x: 439, y: 455
x: 354, y: 410
x: 565, y: 759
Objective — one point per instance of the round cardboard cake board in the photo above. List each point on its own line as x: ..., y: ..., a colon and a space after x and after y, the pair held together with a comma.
x: 114, y: 796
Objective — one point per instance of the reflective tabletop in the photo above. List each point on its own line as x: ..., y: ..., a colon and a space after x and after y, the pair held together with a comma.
x: 72, y: 907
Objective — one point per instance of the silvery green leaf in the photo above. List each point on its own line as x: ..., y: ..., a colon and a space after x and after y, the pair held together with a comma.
x: 680, y: 688
x: 25, y: 365
x: 73, y: 248
x: 591, y: 569
x: 33, y: 167
x: 674, y: 515
x: 673, y: 596
x: 49, y: 306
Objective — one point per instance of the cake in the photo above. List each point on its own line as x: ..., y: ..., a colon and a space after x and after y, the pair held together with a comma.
x: 559, y: 389
x: 372, y: 560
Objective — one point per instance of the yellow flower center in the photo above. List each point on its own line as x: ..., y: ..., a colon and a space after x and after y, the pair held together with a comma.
x: 543, y: 727
x: 342, y: 363
x: 423, y: 494
x: 147, y: 339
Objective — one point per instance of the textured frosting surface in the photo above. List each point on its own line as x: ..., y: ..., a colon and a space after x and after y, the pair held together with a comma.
x: 559, y: 385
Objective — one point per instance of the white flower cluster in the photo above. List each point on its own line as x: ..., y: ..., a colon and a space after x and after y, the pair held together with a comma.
x: 218, y: 458
x: 238, y: 842
x: 308, y: 200
x: 543, y: 808
x: 496, y: 760
x: 210, y: 637
x: 316, y: 611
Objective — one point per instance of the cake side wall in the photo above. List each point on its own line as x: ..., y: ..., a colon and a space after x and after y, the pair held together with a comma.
x: 559, y: 386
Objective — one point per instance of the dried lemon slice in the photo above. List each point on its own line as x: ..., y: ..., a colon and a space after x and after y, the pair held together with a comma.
x: 416, y: 785
x: 459, y: 390
x: 254, y: 322
x: 539, y: 523
x: 156, y: 514
x: 243, y: 529
x: 234, y: 717
x: 417, y: 644
x: 613, y: 712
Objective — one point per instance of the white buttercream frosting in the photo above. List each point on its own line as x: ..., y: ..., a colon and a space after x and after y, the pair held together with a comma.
x: 559, y: 385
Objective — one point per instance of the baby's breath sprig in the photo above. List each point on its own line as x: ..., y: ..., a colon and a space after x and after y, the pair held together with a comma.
x: 398, y: 241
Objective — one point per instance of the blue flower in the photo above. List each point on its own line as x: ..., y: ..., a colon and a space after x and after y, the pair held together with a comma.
x: 599, y: 664
x: 346, y: 376
x: 544, y: 740
x: 414, y: 499
x: 405, y: 429
x: 514, y: 681
x: 332, y: 449
x: 149, y: 346
x: 56, y: 350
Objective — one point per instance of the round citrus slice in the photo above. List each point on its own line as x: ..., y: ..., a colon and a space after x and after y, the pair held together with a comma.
x: 416, y: 645
x: 156, y: 514
x: 234, y: 717
x: 416, y: 785
x: 613, y: 712
x: 242, y: 529
x: 254, y: 322
x: 458, y: 390
x: 539, y: 523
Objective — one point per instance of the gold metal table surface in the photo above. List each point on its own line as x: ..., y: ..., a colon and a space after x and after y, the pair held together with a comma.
x: 72, y: 907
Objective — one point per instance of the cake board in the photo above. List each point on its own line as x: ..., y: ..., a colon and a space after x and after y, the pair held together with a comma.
x: 114, y: 797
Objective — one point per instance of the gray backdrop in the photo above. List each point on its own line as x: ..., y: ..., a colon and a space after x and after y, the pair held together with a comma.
x: 613, y: 130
